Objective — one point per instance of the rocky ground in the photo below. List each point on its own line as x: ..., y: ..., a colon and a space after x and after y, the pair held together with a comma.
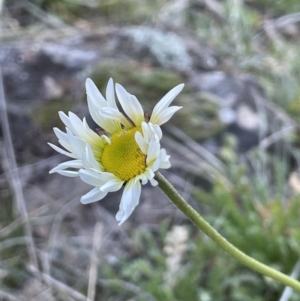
x: 44, y: 73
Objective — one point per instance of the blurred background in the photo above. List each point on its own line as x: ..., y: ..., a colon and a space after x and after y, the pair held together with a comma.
x: 234, y: 147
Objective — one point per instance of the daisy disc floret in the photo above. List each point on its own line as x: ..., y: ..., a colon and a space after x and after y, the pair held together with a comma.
x: 126, y: 150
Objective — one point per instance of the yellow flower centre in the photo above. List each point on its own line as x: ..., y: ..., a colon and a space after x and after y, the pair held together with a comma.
x: 123, y: 156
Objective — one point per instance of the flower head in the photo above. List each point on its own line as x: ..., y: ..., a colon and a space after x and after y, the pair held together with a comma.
x: 126, y: 151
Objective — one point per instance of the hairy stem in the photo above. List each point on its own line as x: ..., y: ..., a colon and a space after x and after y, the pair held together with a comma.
x: 204, y: 226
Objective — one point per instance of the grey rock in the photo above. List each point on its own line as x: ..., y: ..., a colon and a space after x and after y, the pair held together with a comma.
x: 240, y: 108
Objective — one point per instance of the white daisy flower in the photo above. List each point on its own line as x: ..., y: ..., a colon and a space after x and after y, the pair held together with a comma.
x: 127, y: 150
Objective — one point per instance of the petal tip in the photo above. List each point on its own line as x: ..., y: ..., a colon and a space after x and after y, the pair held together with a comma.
x: 88, y: 81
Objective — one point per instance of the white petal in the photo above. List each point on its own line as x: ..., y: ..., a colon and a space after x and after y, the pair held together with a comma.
x: 156, y: 129
x: 156, y: 164
x: 60, y: 134
x: 81, y: 129
x: 129, y: 200
x: 90, y: 177
x: 93, y: 111
x: 92, y: 135
x: 95, y: 105
x: 165, y: 115
x: 78, y: 145
x: 141, y: 142
x: 112, y: 185
x: 68, y: 173
x: 76, y: 121
x: 153, y: 182
x: 72, y: 129
x: 111, y: 120
x: 147, y: 133
x: 130, y: 105
x: 165, y: 102
x: 107, y: 140
x: 66, y: 145
x: 142, y: 177
x: 150, y: 176
x: 94, y: 94
x: 110, y: 94
x: 164, y: 159
x: 93, y: 196
x: 149, y: 173
x: 153, y: 150
x: 107, y: 176
x: 88, y: 159
x: 65, y: 119
x: 68, y: 164
x: 165, y: 165
x: 59, y: 150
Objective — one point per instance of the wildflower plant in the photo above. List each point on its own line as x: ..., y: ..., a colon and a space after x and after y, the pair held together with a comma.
x: 126, y: 151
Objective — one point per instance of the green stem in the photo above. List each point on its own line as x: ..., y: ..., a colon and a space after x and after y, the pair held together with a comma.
x: 198, y: 220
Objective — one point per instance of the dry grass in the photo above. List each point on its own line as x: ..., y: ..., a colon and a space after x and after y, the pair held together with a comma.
x: 53, y: 248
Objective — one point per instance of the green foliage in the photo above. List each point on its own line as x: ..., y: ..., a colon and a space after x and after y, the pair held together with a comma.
x: 104, y: 11
x: 119, y: 11
x: 276, y: 7
x: 46, y: 116
x: 12, y: 247
x: 262, y: 222
x: 256, y: 213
